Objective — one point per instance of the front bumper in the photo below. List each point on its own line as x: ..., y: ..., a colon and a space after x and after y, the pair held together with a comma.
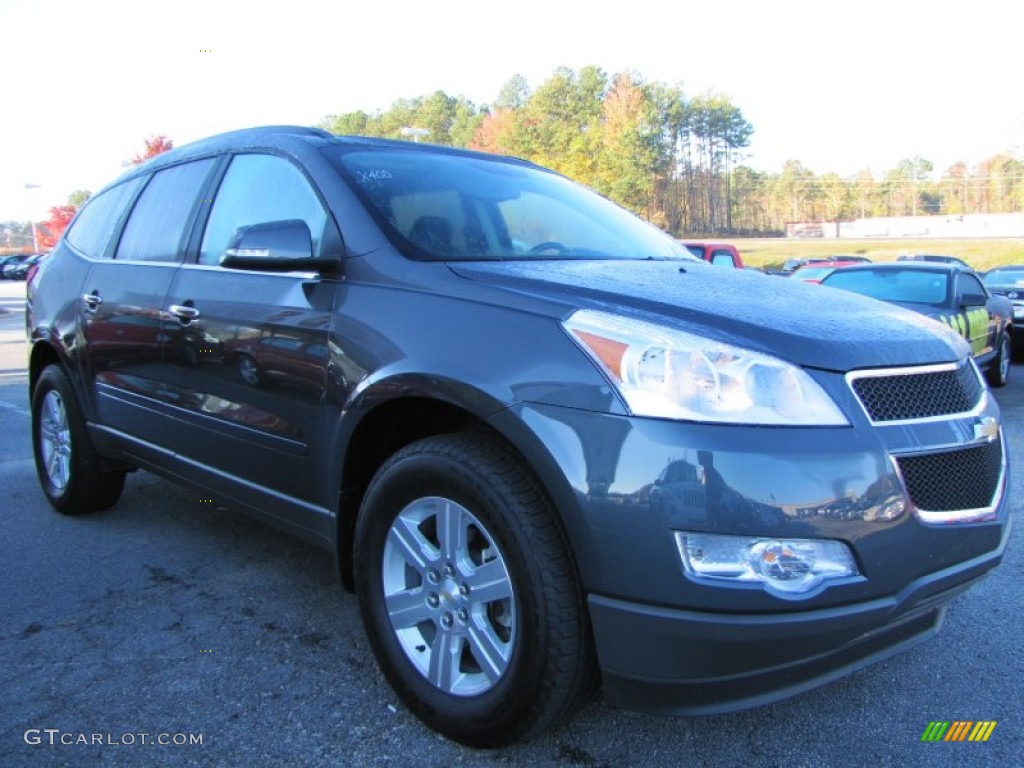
x: 669, y: 643
x: 671, y: 661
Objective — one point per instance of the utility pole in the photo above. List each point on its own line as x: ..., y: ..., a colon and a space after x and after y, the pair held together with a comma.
x: 32, y: 222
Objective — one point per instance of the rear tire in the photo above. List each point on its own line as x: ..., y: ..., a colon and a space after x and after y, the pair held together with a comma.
x: 69, y: 468
x: 468, y: 593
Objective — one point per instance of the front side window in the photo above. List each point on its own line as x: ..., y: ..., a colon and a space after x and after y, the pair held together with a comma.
x: 259, y: 189
x: 157, y: 227
x: 969, y: 284
x: 95, y: 224
x: 440, y: 206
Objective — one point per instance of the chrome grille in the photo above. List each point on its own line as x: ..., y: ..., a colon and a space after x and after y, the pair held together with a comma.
x: 908, y: 393
x: 967, y: 478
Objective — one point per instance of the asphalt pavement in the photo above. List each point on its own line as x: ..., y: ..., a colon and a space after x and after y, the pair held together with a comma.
x: 172, y: 632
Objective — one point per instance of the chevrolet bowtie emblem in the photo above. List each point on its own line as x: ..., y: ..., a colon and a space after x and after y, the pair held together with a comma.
x: 986, y: 429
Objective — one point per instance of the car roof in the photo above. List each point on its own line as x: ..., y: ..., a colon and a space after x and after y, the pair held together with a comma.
x: 293, y: 138
x: 295, y: 135
x: 921, y: 266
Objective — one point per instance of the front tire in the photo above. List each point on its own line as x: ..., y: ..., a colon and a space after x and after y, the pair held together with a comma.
x: 69, y: 468
x: 473, y: 608
x: 999, y: 370
x: 249, y: 370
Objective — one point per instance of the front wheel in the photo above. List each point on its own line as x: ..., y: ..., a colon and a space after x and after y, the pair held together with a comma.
x: 69, y: 468
x: 999, y: 370
x: 469, y: 597
x: 249, y: 370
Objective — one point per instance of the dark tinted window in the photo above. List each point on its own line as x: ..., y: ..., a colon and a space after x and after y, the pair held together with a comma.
x: 157, y: 224
x: 258, y: 189
x: 971, y: 284
x: 94, y: 225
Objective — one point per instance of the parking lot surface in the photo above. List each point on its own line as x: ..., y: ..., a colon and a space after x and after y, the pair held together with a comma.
x: 170, y: 631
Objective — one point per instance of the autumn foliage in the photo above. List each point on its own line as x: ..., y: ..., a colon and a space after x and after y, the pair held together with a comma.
x: 678, y: 159
x: 155, y: 145
x: 48, y: 232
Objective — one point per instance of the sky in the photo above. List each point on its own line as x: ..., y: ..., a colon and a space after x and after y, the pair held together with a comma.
x: 841, y: 87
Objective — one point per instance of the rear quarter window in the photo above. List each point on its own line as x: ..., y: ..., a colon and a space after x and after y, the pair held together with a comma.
x: 92, y: 229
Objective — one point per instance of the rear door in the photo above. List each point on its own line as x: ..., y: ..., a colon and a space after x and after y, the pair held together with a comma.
x: 124, y: 329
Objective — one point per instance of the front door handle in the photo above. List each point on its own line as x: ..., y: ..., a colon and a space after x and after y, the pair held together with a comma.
x: 185, y: 314
x: 92, y: 301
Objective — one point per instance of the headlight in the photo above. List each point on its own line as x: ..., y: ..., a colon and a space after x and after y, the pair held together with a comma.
x: 785, y: 567
x: 672, y: 374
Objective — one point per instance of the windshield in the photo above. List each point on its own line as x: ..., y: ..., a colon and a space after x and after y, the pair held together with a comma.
x: 1005, y: 277
x: 913, y: 286
x: 440, y: 206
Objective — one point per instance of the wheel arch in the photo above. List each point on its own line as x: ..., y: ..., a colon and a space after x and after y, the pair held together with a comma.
x: 41, y: 355
x: 385, y: 426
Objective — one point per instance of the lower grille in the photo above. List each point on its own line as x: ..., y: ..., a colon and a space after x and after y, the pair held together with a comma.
x: 964, y: 479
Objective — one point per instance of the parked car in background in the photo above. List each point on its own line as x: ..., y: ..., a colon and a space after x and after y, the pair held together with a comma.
x: 847, y: 258
x: 546, y: 445
x: 816, y: 271
x: 8, y: 263
x: 1008, y: 281
x: 946, y: 292
x: 791, y: 265
x: 19, y: 270
x: 714, y: 252
x: 936, y: 258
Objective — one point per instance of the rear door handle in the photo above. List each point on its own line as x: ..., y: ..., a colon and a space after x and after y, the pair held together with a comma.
x: 184, y: 313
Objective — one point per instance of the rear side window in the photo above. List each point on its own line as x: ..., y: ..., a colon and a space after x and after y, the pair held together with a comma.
x: 259, y: 189
x: 93, y: 227
x: 157, y: 225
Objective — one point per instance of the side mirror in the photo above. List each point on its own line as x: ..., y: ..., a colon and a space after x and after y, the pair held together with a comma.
x: 973, y: 300
x: 274, y: 246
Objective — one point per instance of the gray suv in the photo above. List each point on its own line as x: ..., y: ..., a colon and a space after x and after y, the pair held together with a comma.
x: 548, y: 447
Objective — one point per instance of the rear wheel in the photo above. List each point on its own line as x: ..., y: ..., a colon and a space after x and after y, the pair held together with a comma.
x: 69, y: 468
x: 468, y: 594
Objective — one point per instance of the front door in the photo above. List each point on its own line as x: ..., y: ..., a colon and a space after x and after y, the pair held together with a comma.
x: 252, y: 412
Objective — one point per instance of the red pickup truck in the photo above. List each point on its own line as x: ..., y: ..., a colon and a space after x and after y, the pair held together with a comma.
x: 719, y: 254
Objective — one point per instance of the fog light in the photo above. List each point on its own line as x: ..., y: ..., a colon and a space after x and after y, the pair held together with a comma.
x: 785, y: 567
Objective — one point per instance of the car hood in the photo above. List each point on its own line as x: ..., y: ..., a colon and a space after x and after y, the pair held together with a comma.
x: 806, y: 324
